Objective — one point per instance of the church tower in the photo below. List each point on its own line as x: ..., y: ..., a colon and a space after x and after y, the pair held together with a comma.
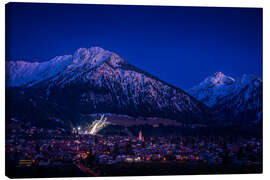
x: 141, y: 136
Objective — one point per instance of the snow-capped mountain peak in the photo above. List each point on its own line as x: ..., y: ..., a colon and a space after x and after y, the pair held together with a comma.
x: 21, y: 73
x: 89, y: 58
x: 225, y: 94
x: 212, y: 87
x: 218, y: 79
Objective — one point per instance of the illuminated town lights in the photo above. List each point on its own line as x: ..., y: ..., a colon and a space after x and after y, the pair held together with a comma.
x: 128, y: 159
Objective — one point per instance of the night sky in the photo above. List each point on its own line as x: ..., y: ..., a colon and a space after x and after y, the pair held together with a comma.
x: 180, y: 45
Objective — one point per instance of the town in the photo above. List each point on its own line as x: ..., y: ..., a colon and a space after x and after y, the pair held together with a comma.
x: 37, y: 147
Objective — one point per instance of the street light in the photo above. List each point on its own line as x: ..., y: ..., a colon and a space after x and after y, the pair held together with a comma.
x: 78, y: 130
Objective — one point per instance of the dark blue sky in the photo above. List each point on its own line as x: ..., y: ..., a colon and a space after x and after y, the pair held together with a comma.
x: 180, y: 45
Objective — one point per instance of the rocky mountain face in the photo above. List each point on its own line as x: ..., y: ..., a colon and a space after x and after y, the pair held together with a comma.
x: 238, y: 100
x: 94, y: 80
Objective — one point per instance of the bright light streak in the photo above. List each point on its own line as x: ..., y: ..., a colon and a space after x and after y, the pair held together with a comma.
x: 97, y: 125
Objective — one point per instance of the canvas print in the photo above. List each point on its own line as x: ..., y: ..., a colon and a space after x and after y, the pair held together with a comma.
x: 121, y: 90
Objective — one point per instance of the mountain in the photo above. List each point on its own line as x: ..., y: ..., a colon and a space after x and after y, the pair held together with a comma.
x: 236, y: 99
x: 20, y: 73
x: 94, y: 80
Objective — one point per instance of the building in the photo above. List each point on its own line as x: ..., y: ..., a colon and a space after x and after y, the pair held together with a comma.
x: 141, y: 138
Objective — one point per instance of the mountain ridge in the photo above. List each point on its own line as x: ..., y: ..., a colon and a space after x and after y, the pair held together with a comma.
x: 98, y: 81
x: 239, y: 98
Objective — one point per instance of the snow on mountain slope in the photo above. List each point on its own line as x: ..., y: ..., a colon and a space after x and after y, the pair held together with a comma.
x: 212, y: 88
x: 241, y: 97
x: 95, y: 80
x: 114, y: 84
x: 89, y: 58
x: 21, y: 73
